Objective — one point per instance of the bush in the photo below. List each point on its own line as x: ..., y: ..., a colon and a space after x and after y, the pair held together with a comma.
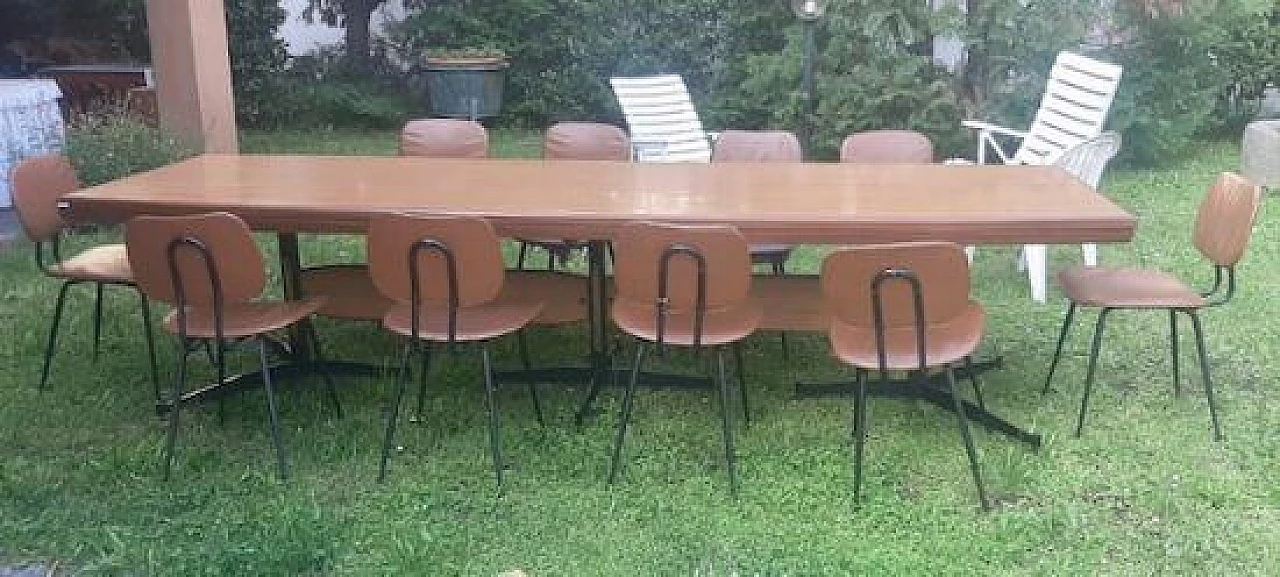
x: 112, y: 144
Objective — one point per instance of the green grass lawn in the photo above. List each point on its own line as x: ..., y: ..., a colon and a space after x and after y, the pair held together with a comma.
x: 1144, y: 491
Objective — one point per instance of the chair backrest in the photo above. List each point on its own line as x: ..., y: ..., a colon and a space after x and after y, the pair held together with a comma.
x: 757, y: 146
x: 887, y: 147
x: 396, y: 240
x: 1073, y: 109
x: 585, y: 141
x: 664, y: 124
x: 203, y: 255
x: 637, y: 261
x: 37, y: 184
x: 1225, y: 220
x: 941, y: 268
x: 1087, y: 160
x: 444, y: 138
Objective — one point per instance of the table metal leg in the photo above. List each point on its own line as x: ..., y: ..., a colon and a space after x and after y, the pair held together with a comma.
x: 931, y: 389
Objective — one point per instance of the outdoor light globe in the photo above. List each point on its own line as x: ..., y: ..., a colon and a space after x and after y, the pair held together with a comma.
x: 808, y: 10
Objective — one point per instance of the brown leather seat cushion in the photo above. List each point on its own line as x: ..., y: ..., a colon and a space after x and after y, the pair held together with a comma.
x: 244, y: 319
x: 108, y: 263
x: 790, y: 303
x: 478, y: 323
x: 944, y: 342
x: 1127, y: 288
x: 351, y: 294
x: 349, y: 290
x: 721, y: 326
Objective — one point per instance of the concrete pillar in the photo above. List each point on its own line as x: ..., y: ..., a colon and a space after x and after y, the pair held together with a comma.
x: 193, y: 72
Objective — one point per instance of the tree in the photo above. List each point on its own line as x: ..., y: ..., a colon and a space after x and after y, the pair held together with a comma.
x: 354, y: 17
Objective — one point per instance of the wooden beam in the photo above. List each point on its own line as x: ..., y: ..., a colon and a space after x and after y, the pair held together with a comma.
x: 193, y: 72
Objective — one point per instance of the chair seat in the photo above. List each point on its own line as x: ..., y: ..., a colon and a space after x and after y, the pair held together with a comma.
x: 944, y: 344
x: 108, y: 263
x: 770, y: 253
x: 561, y: 296
x: 1127, y: 288
x: 790, y: 303
x: 479, y: 323
x: 349, y: 292
x: 351, y: 295
x: 244, y: 319
x: 721, y: 326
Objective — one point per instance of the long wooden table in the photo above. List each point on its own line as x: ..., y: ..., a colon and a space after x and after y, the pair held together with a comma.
x: 795, y: 203
x: 802, y: 203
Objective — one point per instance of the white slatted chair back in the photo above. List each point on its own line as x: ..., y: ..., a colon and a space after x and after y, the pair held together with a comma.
x: 1073, y: 109
x: 1087, y: 160
x: 664, y: 124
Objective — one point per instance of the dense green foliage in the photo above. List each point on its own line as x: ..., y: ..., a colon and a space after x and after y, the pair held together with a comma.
x: 1184, y: 75
x: 1188, y: 74
x: 112, y: 144
x: 258, y: 58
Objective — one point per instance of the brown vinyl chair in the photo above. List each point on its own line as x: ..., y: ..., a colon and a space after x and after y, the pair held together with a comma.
x: 37, y: 185
x: 208, y: 267
x: 576, y: 141
x: 903, y: 307
x: 761, y: 146
x: 445, y: 276
x: 1223, y: 226
x: 887, y: 147
x: 444, y: 138
x: 686, y: 286
x: 350, y: 291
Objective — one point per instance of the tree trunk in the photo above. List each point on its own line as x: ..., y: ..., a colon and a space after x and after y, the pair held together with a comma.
x: 358, y: 14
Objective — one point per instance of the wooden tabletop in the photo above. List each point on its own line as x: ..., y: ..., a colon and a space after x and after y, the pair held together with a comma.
x: 810, y: 202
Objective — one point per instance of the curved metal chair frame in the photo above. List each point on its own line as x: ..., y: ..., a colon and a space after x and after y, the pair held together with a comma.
x: 182, y: 292
x: 905, y: 274
x: 1212, y: 218
x: 661, y: 312
x: 41, y: 195
x: 422, y: 345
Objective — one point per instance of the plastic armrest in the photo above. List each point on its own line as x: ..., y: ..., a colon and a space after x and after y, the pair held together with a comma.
x: 992, y: 128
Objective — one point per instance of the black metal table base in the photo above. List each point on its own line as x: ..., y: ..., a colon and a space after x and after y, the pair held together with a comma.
x: 932, y: 389
x: 284, y: 373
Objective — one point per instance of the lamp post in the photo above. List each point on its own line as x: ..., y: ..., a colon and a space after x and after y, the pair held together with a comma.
x: 808, y: 12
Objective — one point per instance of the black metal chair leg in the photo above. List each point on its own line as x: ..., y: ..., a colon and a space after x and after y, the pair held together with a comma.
x: 151, y: 343
x: 318, y: 365
x: 491, y: 402
x: 1204, y: 373
x: 522, y: 346
x: 740, y: 372
x: 859, y: 433
x: 1062, y: 338
x: 221, y: 361
x: 976, y: 381
x: 625, y: 415
x: 524, y: 250
x: 179, y: 389
x: 726, y: 417
x: 1093, y: 365
x: 97, y: 321
x: 1173, y: 346
x: 424, y: 354
x: 58, y: 306
x: 968, y: 440
x: 273, y: 409
x: 388, y: 439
